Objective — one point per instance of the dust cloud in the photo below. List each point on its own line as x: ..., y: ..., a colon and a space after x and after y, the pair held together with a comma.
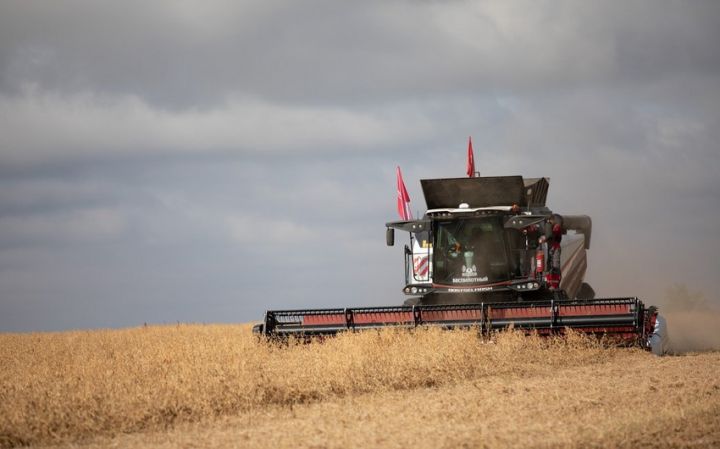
x: 693, y: 320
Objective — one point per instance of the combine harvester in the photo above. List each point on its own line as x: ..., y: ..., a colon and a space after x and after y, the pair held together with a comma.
x: 489, y: 254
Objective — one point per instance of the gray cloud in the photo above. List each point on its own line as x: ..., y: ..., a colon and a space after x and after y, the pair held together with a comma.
x: 186, y: 55
x: 195, y: 162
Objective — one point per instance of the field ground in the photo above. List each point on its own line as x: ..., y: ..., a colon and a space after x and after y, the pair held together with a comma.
x: 214, y: 386
x: 671, y: 405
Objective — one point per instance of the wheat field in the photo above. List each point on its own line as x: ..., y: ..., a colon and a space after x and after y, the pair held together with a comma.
x: 219, y: 386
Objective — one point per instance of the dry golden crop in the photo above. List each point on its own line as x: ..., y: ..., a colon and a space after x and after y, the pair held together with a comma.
x: 75, y: 386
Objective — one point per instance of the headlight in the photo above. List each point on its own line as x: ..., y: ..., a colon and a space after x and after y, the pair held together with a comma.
x: 413, y: 290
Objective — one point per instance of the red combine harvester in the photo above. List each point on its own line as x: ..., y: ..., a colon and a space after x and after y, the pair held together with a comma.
x: 489, y: 254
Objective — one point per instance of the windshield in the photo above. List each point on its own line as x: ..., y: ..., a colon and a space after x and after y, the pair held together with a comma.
x: 472, y: 251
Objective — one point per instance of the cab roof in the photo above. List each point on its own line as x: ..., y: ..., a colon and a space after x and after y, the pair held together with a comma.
x: 487, y: 191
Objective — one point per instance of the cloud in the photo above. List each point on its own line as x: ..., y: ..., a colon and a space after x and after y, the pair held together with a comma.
x: 185, y: 55
x: 69, y: 227
x: 42, y: 127
x: 267, y: 231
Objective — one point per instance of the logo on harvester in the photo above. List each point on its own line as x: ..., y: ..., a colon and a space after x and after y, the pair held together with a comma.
x: 469, y: 272
x: 470, y: 290
x: 470, y: 280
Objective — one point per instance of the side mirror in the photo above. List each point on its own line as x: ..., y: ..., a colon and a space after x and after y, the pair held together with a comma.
x: 390, y: 236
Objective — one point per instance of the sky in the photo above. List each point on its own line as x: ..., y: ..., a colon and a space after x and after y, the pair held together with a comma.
x: 193, y: 161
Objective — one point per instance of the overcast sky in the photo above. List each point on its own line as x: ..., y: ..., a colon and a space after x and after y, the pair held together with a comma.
x: 203, y: 161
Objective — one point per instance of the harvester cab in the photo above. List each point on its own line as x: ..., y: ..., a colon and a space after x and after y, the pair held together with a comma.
x: 492, y: 239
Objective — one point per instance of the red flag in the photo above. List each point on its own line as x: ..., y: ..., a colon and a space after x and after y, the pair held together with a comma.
x: 403, y: 199
x: 471, y: 159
